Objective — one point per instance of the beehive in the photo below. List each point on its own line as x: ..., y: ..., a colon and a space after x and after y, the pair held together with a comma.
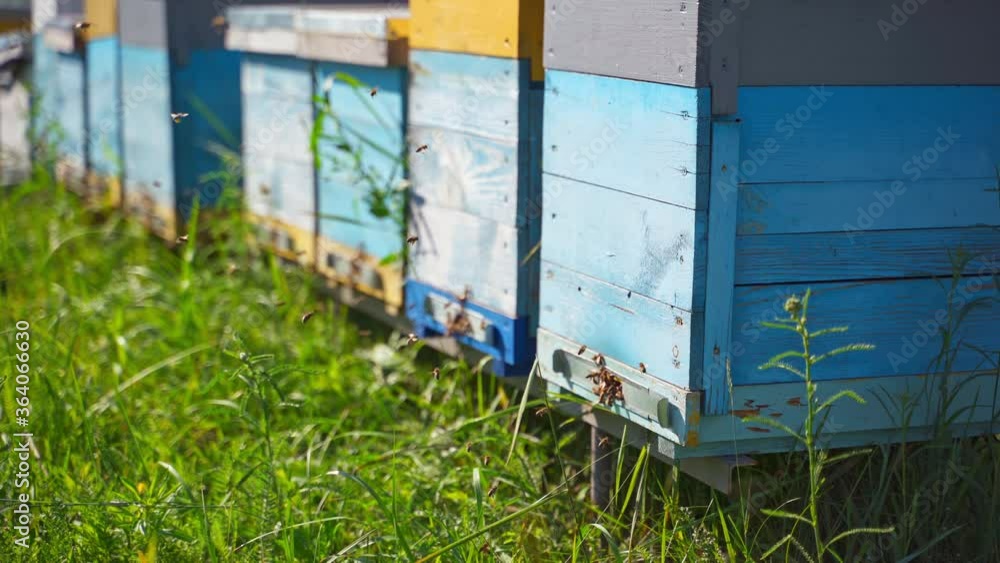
x: 173, y: 62
x: 15, y: 75
x: 61, y: 81
x: 704, y: 163
x: 104, y: 106
x: 313, y: 204
x: 475, y: 114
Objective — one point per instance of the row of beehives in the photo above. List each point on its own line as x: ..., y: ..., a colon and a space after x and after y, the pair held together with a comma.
x: 699, y: 166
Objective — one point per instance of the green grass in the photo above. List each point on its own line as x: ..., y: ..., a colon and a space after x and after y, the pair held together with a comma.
x: 183, y: 412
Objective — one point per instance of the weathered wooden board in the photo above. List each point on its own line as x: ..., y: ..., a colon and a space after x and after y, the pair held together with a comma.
x: 648, y: 247
x: 860, y: 206
x: 70, y: 98
x: 278, y: 126
x: 143, y: 23
x: 627, y: 326
x: 102, y: 15
x: 802, y: 134
x: 868, y: 42
x: 476, y: 175
x: 379, y: 241
x: 482, y: 96
x: 381, y: 146
x: 104, y: 107
x: 371, y: 34
x: 283, y: 190
x: 900, y: 317
x: 597, y: 127
x: 457, y: 251
x: 146, y: 123
x: 387, y: 107
x: 15, y: 113
x: 637, y: 39
x: 906, y: 253
x: 41, y: 12
x: 505, y: 28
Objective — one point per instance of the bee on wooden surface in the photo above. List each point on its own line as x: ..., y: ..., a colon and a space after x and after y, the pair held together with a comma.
x: 582, y: 349
x: 642, y: 367
x: 493, y: 490
x: 437, y: 373
x: 178, y: 117
x: 374, y: 91
x: 466, y: 295
x: 412, y: 239
x: 265, y: 190
x: 411, y: 339
x: 599, y: 359
x: 81, y: 25
x: 305, y: 318
x: 422, y: 148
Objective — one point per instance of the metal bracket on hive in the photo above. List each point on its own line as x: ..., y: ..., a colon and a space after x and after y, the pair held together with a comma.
x: 438, y: 313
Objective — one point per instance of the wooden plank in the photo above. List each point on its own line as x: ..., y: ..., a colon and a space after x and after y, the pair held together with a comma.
x: 263, y: 41
x: 860, y: 206
x: 848, y: 133
x: 387, y: 106
x: 595, y: 127
x: 722, y: 37
x: 627, y: 326
x: 103, y: 18
x: 346, y: 266
x: 900, y: 317
x: 456, y: 251
x: 15, y: 160
x: 869, y: 42
x: 468, y: 173
x: 373, y: 35
x: 381, y: 145
x: 143, y: 23
x: 651, y: 248
x: 908, y: 253
x: 278, y: 126
x: 146, y: 123
x: 41, y: 12
x: 721, y: 267
x: 467, y: 93
x: 278, y: 76
x: 103, y: 107
x: 289, y: 195
x: 637, y: 39
x: 70, y: 98
x: 506, y: 28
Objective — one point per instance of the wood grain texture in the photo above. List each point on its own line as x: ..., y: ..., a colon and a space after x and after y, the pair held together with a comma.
x: 103, y: 18
x: 264, y: 41
x: 651, y: 248
x: 288, y: 193
x: 15, y: 112
x: 596, y: 127
x: 899, y: 317
x: 504, y: 28
x: 852, y: 206
x: 104, y: 111
x: 637, y: 39
x: 905, y: 253
x: 456, y: 251
x: 278, y: 76
x: 467, y: 93
x: 70, y: 98
x: 468, y: 173
x: 868, y: 133
x: 143, y: 23
x: 868, y: 42
x: 626, y: 326
x: 720, y: 269
x: 277, y: 126
x: 41, y: 12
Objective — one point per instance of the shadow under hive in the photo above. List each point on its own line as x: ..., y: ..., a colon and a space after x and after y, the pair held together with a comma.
x: 692, y: 186
x: 475, y: 114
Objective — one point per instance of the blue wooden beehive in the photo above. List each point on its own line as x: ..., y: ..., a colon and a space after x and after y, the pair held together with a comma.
x: 702, y: 164
x: 104, y: 105
x: 60, y: 81
x: 173, y: 62
x: 313, y: 210
x: 15, y: 100
x: 475, y: 116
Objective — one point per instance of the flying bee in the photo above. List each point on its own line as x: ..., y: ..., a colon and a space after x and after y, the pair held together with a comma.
x: 182, y: 238
x: 599, y: 359
x: 81, y: 25
x: 540, y: 411
x: 466, y: 294
x: 412, y: 239
x: 264, y: 189
x: 218, y: 22
x: 468, y: 447
x: 581, y: 350
x: 411, y: 339
x: 437, y: 373
x: 485, y: 548
x: 642, y: 367
x: 603, y: 443
x: 156, y: 184
x: 177, y: 117
x: 486, y: 461
x: 305, y: 318
x: 422, y: 148
x: 493, y: 490
x: 231, y: 269
x: 374, y: 91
